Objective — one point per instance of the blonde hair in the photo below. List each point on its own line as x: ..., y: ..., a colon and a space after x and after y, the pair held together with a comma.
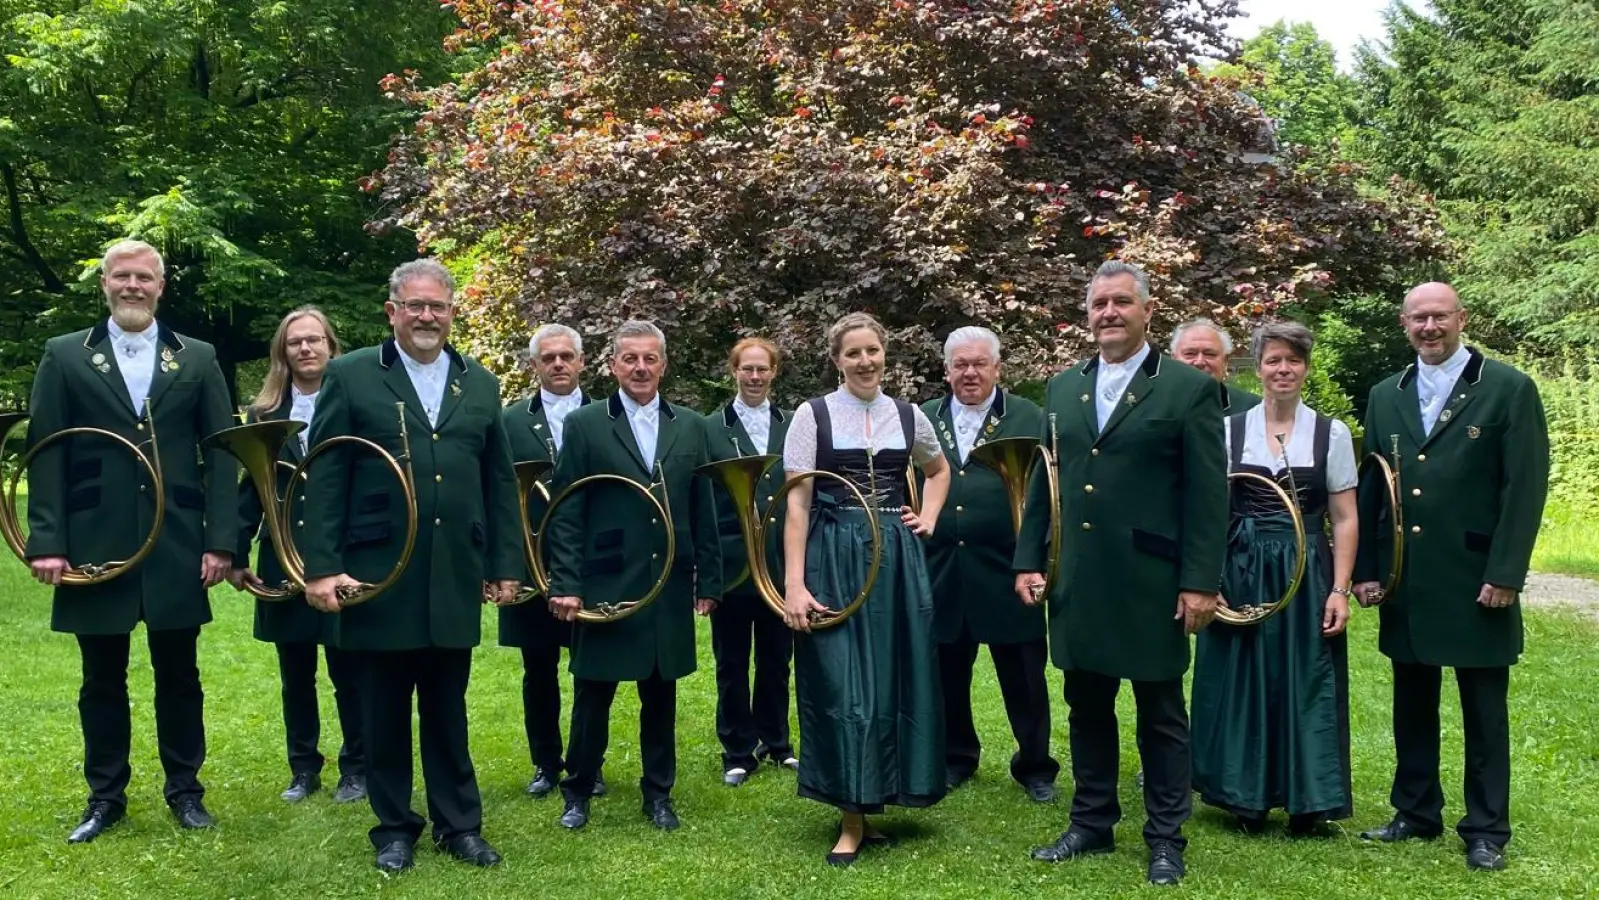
x: 850, y: 322
x: 126, y: 248
x: 754, y: 343
x: 278, y: 372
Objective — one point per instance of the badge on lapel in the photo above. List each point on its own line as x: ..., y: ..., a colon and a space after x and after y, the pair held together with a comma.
x: 1132, y: 399
x: 993, y: 422
x: 98, y: 361
x: 455, y: 389
x: 1446, y: 415
x: 1084, y: 398
x: 1473, y: 432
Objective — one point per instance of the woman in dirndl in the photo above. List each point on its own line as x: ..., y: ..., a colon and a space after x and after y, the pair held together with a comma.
x: 1271, y: 700
x: 867, y: 690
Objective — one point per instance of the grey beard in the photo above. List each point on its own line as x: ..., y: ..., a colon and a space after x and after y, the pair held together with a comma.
x: 132, y: 318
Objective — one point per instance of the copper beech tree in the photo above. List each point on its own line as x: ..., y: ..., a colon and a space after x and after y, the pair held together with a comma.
x: 762, y: 166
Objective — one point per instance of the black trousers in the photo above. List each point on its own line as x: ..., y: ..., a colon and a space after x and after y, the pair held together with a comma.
x: 438, y: 678
x: 302, y: 720
x: 591, y: 734
x: 108, y: 724
x: 751, y: 725
x: 1020, y: 668
x: 1096, y: 748
x: 1417, y: 795
x: 541, y: 704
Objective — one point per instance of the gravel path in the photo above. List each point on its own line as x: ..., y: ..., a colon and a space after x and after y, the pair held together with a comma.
x: 1545, y: 589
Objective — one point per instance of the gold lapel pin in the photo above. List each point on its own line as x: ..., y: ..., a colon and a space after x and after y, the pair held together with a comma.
x: 166, y: 355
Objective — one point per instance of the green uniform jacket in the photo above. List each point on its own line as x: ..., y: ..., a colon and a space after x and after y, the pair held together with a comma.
x: 970, y: 553
x: 1235, y: 400
x: 1144, y: 515
x: 528, y: 428
x: 1472, y: 494
x: 292, y: 620
x: 468, y: 528
x: 90, y: 501
x: 726, y: 439
x: 606, y: 543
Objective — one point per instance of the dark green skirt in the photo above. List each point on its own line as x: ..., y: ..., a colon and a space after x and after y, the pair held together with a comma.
x: 871, y: 714
x: 1271, y: 701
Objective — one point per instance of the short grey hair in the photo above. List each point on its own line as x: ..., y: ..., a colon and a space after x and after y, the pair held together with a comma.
x: 126, y: 248
x: 970, y: 334
x: 1298, y: 338
x: 420, y: 268
x: 633, y: 328
x: 554, y: 329
x: 1191, y: 324
x: 1113, y: 267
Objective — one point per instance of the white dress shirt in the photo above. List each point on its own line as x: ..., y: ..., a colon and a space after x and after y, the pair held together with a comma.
x: 969, y: 423
x: 1112, y: 382
x: 303, y: 409
x: 556, y: 408
x: 428, y: 379
x: 1342, y: 473
x: 645, y: 421
x: 757, y: 422
x: 136, y: 352
x: 1434, y: 384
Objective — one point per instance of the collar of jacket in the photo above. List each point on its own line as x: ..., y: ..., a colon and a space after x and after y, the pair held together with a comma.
x: 1471, y: 374
x: 615, y: 406
x: 997, y: 410
x: 391, y: 354
x: 164, y: 335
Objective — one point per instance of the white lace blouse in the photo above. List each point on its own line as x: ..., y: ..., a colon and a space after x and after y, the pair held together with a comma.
x: 857, y: 425
x: 1342, y: 474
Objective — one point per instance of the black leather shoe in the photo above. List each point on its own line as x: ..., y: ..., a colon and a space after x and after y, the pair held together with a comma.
x: 351, y: 788
x: 542, y: 784
x: 301, y: 786
x: 1072, y: 844
x: 600, y: 787
x: 1165, y: 863
x: 576, y: 814
x: 190, y: 813
x: 735, y: 776
x: 1040, y: 792
x: 1483, y: 854
x: 661, y: 814
x: 395, y: 857
x: 471, y: 848
x: 100, y: 815
x: 1397, y: 830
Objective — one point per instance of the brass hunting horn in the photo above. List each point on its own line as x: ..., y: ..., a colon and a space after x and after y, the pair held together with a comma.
x: 740, y: 477
x: 529, y: 478
x: 84, y: 573
x: 1254, y: 615
x: 1389, y: 473
x: 534, y: 542
x: 257, y: 447
x: 1012, y: 458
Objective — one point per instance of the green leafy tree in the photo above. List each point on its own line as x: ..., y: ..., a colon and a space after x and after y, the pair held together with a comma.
x: 1293, y: 73
x: 1493, y: 105
x: 230, y: 135
x: 751, y: 166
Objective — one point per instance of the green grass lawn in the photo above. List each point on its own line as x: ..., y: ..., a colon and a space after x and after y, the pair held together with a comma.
x: 758, y: 841
x: 1568, y: 543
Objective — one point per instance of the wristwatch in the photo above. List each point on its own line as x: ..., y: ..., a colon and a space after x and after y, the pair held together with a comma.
x: 1345, y: 591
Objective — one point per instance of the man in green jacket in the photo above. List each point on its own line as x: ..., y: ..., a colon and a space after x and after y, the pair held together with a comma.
x: 597, y: 550
x: 969, y: 562
x: 1203, y: 344
x: 415, y: 638
x: 1473, y: 460
x: 752, y: 725
x: 89, y: 502
x: 536, y: 428
x: 1143, y: 517
x: 299, y: 355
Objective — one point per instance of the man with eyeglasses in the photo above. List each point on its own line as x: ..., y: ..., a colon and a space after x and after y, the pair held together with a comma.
x: 751, y: 726
x: 1472, y: 448
x: 416, y: 638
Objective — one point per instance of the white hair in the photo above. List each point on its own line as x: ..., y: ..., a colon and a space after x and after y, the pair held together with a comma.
x: 420, y: 268
x: 1191, y: 324
x: 126, y: 248
x: 554, y: 329
x: 1113, y: 267
x: 637, y: 328
x: 970, y: 334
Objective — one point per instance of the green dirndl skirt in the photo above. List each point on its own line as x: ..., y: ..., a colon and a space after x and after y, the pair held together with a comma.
x: 871, y: 711
x: 1271, y: 701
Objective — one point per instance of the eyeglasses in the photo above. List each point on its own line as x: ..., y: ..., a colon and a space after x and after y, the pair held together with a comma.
x: 754, y: 370
x: 1422, y: 320
x: 415, y: 308
x: 315, y: 340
